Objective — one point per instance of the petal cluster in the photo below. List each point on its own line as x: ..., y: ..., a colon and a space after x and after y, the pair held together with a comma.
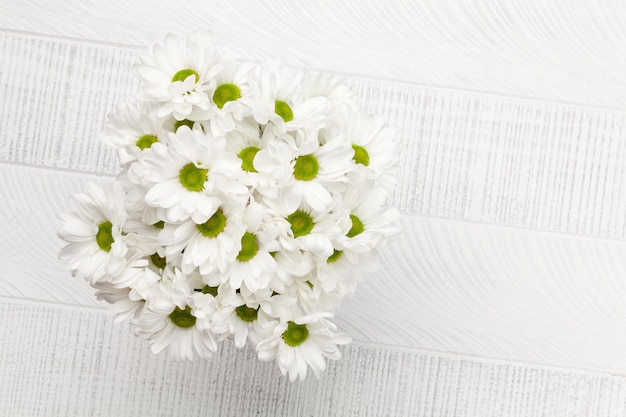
x: 249, y: 204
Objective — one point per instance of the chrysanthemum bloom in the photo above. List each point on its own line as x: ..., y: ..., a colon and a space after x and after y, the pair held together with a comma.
x: 253, y: 266
x: 370, y: 220
x: 133, y: 128
x: 300, y: 343
x: 191, y: 176
x: 169, y: 322
x: 231, y: 99
x: 245, y: 142
x: 331, y: 86
x: 93, y: 228
x: 305, y: 170
x: 211, y: 245
x: 121, y: 304
x: 278, y: 99
x: 306, y: 229
x: 235, y: 319
x: 375, y: 149
x: 179, y: 74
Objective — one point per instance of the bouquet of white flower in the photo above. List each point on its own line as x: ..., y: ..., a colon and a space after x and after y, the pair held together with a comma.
x: 250, y: 199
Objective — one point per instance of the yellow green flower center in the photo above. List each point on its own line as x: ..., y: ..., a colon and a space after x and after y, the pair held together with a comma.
x: 357, y: 226
x: 306, y: 167
x: 247, y: 158
x: 192, y: 177
x: 179, y: 123
x: 301, y: 223
x: 183, y: 74
x: 104, y: 237
x: 335, y: 256
x: 146, y: 141
x: 159, y: 225
x: 225, y: 93
x: 282, y: 109
x: 158, y: 261
x: 296, y: 334
x: 182, y: 318
x: 360, y: 155
x: 247, y: 314
x: 249, y: 247
x: 214, y: 226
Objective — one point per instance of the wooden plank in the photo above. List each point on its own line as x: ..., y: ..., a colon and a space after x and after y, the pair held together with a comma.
x: 74, y: 362
x: 555, y: 49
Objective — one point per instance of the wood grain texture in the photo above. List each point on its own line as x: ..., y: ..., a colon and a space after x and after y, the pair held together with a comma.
x: 511, y: 118
x: 559, y: 49
x: 75, y: 362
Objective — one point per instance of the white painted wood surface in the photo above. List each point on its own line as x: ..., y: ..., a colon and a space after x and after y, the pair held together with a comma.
x: 503, y: 295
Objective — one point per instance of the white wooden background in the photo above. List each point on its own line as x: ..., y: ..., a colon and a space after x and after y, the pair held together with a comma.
x: 505, y: 293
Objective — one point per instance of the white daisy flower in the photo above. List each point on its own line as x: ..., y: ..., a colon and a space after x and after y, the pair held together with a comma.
x: 291, y: 265
x: 375, y: 149
x: 137, y: 276
x: 253, y: 265
x: 210, y: 245
x: 300, y: 343
x: 121, y: 305
x: 278, y: 100
x: 306, y: 170
x: 93, y: 228
x: 245, y: 142
x: 329, y: 85
x: 370, y: 220
x: 203, y: 307
x: 191, y: 177
x: 338, y: 276
x: 179, y: 75
x: 235, y: 318
x: 168, y: 320
x: 232, y: 98
x: 306, y: 229
x: 133, y: 128
x: 175, y: 330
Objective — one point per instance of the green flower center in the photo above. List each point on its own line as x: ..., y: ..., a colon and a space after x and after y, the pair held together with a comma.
x: 249, y: 247
x: 104, y: 237
x: 282, y: 109
x: 182, y: 318
x: 159, y: 225
x: 158, y: 261
x: 183, y: 74
x: 208, y: 290
x: 225, y: 93
x: 146, y: 141
x: 335, y: 256
x: 301, y: 223
x: 192, y: 177
x: 179, y: 123
x: 357, y: 226
x: 306, y: 167
x: 360, y: 155
x: 214, y: 226
x: 247, y: 158
x: 295, y: 334
x: 247, y: 314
